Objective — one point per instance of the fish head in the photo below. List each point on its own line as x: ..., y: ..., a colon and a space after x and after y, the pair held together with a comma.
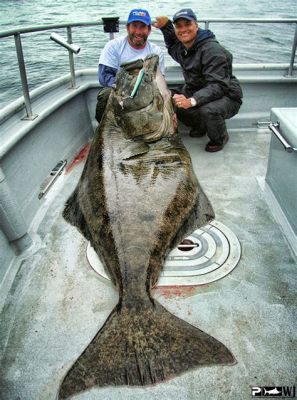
x: 142, y: 102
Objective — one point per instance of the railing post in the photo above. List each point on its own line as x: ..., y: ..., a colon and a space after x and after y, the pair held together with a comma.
x: 22, y: 69
x: 71, y: 59
x: 291, y: 67
x: 206, y: 25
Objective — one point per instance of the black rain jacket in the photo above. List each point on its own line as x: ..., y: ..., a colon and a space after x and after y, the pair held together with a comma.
x: 207, y: 66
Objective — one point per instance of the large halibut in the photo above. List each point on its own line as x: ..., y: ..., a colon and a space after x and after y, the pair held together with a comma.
x: 137, y: 198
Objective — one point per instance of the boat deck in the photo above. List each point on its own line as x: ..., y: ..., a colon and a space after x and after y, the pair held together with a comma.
x: 57, y: 303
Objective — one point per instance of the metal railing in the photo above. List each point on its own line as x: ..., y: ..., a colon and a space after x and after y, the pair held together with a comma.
x: 17, y: 32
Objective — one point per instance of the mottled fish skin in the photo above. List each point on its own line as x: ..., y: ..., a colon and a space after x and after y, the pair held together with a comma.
x: 134, y: 206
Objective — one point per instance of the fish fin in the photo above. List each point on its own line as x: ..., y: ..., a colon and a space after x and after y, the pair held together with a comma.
x: 139, y: 347
x: 74, y: 216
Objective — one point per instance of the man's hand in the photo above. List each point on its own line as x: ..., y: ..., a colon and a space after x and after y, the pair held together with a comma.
x: 181, y: 101
x: 160, y: 22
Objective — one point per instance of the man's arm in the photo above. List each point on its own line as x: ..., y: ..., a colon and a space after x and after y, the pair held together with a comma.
x: 106, y: 75
x: 216, y: 75
x: 108, y: 63
x: 167, y: 28
x: 215, y: 71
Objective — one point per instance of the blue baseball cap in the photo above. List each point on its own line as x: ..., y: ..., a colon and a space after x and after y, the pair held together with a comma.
x: 140, y: 15
x: 186, y: 13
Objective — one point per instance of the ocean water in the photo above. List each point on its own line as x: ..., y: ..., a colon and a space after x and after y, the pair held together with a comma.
x: 45, y: 60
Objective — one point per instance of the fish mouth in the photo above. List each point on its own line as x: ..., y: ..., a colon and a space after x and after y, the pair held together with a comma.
x: 134, y: 86
x: 141, y: 100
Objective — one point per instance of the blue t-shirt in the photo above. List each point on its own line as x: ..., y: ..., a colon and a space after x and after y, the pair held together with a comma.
x: 118, y: 51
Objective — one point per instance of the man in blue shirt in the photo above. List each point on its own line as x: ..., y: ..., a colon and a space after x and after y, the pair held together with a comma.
x: 132, y: 47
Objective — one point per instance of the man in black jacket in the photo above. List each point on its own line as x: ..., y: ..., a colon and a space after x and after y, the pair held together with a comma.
x: 211, y: 92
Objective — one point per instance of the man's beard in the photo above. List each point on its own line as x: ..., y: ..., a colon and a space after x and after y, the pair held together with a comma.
x: 137, y: 42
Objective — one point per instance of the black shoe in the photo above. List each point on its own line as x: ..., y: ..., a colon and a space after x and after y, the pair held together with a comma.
x: 212, y: 147
x: 196, y: 133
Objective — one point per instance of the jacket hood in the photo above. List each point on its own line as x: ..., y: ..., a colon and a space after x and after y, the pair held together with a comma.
x: 204, y: 34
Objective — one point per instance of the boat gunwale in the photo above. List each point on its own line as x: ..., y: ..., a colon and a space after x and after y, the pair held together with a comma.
x: 18, y: 104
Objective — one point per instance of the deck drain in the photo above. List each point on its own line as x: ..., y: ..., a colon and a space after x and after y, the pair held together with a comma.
x: 214, y: 254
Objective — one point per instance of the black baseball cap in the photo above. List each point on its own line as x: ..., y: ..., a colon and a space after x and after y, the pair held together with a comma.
x: 186, y: 13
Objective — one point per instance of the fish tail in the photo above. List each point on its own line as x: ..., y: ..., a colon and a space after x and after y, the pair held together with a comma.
x: 142, y: 346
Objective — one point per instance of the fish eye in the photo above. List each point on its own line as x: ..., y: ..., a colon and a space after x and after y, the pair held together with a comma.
x: 147, y: 77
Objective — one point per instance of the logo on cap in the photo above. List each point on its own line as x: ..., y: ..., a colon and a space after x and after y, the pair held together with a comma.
x: 139, y: 15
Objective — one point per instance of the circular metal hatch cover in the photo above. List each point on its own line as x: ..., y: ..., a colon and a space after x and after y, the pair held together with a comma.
x: 214, y: 254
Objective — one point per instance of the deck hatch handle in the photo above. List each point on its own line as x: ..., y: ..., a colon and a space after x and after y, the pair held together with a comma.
x: 275, y: 129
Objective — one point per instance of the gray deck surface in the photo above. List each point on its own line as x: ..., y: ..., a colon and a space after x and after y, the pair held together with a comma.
x: 58, y: 303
